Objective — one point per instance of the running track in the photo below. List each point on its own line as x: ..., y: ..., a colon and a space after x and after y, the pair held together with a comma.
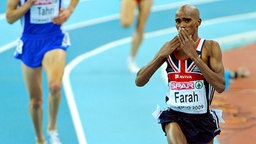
x: 101, y: 104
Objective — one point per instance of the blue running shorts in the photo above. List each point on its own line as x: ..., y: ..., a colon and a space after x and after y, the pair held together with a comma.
x: 197, y: 128
x: 31, y: 48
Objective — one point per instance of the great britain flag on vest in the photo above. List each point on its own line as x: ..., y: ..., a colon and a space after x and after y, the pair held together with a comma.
x: 187, y: 91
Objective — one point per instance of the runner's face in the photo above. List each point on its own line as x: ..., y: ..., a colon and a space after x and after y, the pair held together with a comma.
x: 187, y: 19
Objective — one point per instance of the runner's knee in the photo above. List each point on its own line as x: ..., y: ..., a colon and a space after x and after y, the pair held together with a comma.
x: 55, y: 87
x: 126, y: 23
x: 35, y: 103
x: 140, y: 28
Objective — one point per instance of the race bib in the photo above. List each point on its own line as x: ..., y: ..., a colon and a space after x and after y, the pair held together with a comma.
x: 188, y: 97
x: 43, y: 11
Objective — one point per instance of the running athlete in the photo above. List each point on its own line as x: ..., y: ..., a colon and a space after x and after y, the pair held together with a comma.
x: 195, y: 70
x: 42, y: 45
x: 127, y: 17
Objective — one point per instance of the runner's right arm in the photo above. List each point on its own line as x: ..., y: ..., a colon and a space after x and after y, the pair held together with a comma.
x: 147, y: 71
x: 14, y: 13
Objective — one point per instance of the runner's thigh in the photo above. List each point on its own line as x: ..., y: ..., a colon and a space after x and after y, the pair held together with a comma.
x: 33, y: 80
x: 127, y: 12
x: 144, y: 11
x: 54, y: 63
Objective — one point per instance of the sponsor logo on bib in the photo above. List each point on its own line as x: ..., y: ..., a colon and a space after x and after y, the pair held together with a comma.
x: 182, y: 85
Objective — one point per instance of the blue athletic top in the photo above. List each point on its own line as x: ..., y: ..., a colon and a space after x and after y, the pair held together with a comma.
x: 38, y: 19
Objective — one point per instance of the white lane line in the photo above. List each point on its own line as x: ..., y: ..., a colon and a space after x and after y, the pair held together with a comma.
x: 68, y: 88
x: 116, y: 16
x: 7, y: 46
x: 2, y: 16
x: 210, y: 22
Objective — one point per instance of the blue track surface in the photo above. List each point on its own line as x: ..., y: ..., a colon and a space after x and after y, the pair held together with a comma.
x: 112, y: 110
